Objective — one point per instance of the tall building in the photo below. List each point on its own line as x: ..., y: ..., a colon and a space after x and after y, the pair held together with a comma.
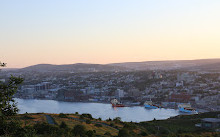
x: 119, y: 93
x: 42, y: 86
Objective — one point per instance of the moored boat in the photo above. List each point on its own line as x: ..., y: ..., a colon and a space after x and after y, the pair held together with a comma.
x: 116, y: 103
x: 186, y: 108
x: 150, y: 105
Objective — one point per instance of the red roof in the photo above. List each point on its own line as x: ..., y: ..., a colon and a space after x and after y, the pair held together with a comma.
x: 181, y: 97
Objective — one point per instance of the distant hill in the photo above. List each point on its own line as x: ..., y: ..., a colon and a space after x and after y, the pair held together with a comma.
x: 207, y: 67
x: 79, y: 67
x: 202, y: 64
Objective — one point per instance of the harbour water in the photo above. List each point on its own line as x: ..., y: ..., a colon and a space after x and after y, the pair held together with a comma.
x: 104, y: 111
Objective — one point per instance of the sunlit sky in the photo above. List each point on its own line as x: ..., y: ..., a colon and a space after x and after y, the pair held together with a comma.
x: 107, y: 31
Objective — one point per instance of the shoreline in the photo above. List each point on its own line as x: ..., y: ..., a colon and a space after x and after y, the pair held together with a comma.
x: 199, y: 110
x: 103, y: 102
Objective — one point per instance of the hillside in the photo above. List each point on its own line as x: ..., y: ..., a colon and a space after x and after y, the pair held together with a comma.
x: 172, y: 64
x: 43, y: 125
x: 202, y: 64
x: 79, y: 67
x: 207, y: 67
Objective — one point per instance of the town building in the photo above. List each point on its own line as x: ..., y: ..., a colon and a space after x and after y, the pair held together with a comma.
x: 119, y: 93
x: 210, y: 123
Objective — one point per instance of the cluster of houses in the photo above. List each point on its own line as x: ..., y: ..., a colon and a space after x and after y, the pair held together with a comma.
x: 167, y: 88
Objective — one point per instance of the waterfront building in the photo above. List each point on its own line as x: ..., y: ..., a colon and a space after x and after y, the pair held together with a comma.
x: 210, y: 123
x: 179, y: 97
x: 119, y: 93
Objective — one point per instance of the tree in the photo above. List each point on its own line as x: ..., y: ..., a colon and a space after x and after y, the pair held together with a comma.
x: 79, y: 130
x: 7, y: 90
x: 123, y: 133
x: 117, y: 119
x: 63, y: 125
x: 108, y: 133
x: 61, y: 115
x: 90, y: 133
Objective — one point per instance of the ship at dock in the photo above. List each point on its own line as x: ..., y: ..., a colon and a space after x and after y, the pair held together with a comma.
x: 150, y: 105
x: 186, y: 108
x: 116, y: 103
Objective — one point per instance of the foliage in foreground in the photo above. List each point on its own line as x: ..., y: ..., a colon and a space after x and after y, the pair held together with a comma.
x: 7, y: 90
x: 173, y: 127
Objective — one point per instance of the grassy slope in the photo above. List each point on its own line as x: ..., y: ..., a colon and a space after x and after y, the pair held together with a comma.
x: 31, y: 119
x: 176, y: 125
x: 183, y: 124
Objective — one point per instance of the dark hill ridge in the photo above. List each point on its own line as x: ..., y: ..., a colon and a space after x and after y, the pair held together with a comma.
x: 79, y: 67
x: 203, y: 64
x: 210, y: 67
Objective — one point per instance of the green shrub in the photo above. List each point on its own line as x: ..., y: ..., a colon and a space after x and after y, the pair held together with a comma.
x: 109, y: 119
x: 63, y: 125
x: 45, y: 128
x: 81, y: 117
x: 87, y: 115
x: 117, y: 119
x: 26, y: 117
x: 61, y: 115
x: 143, y: 133
x: 98, y: 125
x: 130, y: 126
x: 79, y: 130
x: 163, y: 131
x: 14, y: 128
x: 90, y: 133
x: 112, y: 124
x: 123, y: 133
x: 107, y: 134
x: 88, y: 121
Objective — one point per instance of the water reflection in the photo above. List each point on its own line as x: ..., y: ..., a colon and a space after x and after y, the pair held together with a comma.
x: 104, y: 111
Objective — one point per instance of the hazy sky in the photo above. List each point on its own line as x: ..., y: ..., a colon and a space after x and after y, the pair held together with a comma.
x: 106, y: 31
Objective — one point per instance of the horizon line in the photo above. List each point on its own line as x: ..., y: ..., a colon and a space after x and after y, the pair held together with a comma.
x: 113, y: 62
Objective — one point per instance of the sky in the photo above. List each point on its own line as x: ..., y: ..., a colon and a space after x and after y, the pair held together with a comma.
x: 107, y: 31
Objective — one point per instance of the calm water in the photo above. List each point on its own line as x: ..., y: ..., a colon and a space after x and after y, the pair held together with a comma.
x: 105, y: 111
